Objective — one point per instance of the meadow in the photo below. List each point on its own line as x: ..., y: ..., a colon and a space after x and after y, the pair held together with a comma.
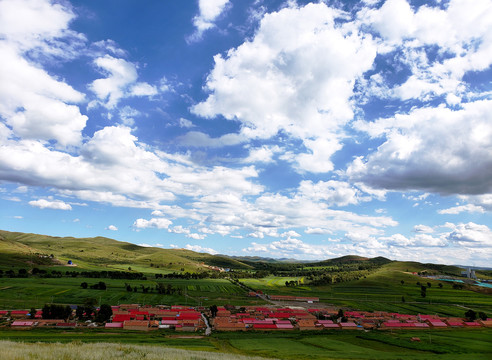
x: 438, y: 344
x: 24, y: 293
x: 80, y: 351
x: 383, y: 291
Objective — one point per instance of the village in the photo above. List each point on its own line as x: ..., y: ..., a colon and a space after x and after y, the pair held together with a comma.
x: 241, y: 318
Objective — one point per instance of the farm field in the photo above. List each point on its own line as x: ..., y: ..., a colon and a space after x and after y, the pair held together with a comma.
x: 438, y: 344
x: 24, y: 293
x: 383, y: 290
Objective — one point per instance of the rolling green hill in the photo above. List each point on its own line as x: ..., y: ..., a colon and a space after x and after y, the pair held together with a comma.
x: 18, y: 249
x: 97, y: 253
x: 350, y: 281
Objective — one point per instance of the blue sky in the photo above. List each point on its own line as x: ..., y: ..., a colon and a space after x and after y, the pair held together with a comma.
x: 284, y: 129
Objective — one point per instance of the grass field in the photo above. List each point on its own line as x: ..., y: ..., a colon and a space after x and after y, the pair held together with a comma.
x: 24, y: 293
x: 80, y: 351
x: 383, y: 291
x: 438, y: 344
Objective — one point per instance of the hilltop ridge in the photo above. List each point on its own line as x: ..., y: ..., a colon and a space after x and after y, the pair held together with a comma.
x: 17, y: 248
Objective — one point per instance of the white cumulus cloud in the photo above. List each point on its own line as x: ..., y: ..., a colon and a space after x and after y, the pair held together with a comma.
x: 50, y: 204
x: 209, y: 11
x: 159, y: 223
x: 303, y: 68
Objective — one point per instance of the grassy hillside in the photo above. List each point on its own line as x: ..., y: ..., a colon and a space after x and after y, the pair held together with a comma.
x: 391, y: 287
x: 350, y: 259
x: 412, y: 266
x: 19, y: 249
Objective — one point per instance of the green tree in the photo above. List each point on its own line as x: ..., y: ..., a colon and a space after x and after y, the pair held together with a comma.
x: 84, y: 285
x: 79, y: 312
x: 471, y: 315
x: 23, y: 273
x: 482, y: 315
x: 53, y: 311
x: 213, y: 310
x: 104, y: 314
x: 89, y: 307
x: 46, y: 312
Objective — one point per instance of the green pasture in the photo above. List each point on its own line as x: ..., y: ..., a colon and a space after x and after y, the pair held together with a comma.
x: 452, y: 344
x: 383, y: 291
x: 24, y: 293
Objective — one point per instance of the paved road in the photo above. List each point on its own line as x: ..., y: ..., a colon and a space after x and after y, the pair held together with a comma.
x: 208, y: 331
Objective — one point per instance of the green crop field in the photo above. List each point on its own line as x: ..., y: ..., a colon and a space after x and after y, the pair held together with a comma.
x: 24, y: 293
x: 438, y: 344
x: 383, y: 291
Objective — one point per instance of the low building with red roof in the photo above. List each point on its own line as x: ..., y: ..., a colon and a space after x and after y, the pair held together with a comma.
x: 114, y: 325
x: 66, y: 325
x: 22, y: 324
x: 19, y: 314
x: 436, y: 323
x: 230, y: 326
x: 454, y: 322
x: 472, y: 324
x: 122, y: 317
x: 349, y: 325
x: 136, y: 325
x: 486, y: 323
x: 331, y: 326
x: 264, y: 327
x: 307, y: 325
x: 282, y: 326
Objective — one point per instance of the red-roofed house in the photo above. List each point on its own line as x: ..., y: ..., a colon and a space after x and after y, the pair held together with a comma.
x: 22, y: 324
x: 454, y: 323
x: 136, y: 325
x: 307, y: 325
x: 264, y: 326
x: 121, y: 318
x: 349, y: 325
x: 331, y: 326
x: 486, y: 323
x: 114, y: 325
x: 436, y: 323
x: 288, y: 326
x: 17, y: 314
x: 281, y: 315
x: 472, y: 324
